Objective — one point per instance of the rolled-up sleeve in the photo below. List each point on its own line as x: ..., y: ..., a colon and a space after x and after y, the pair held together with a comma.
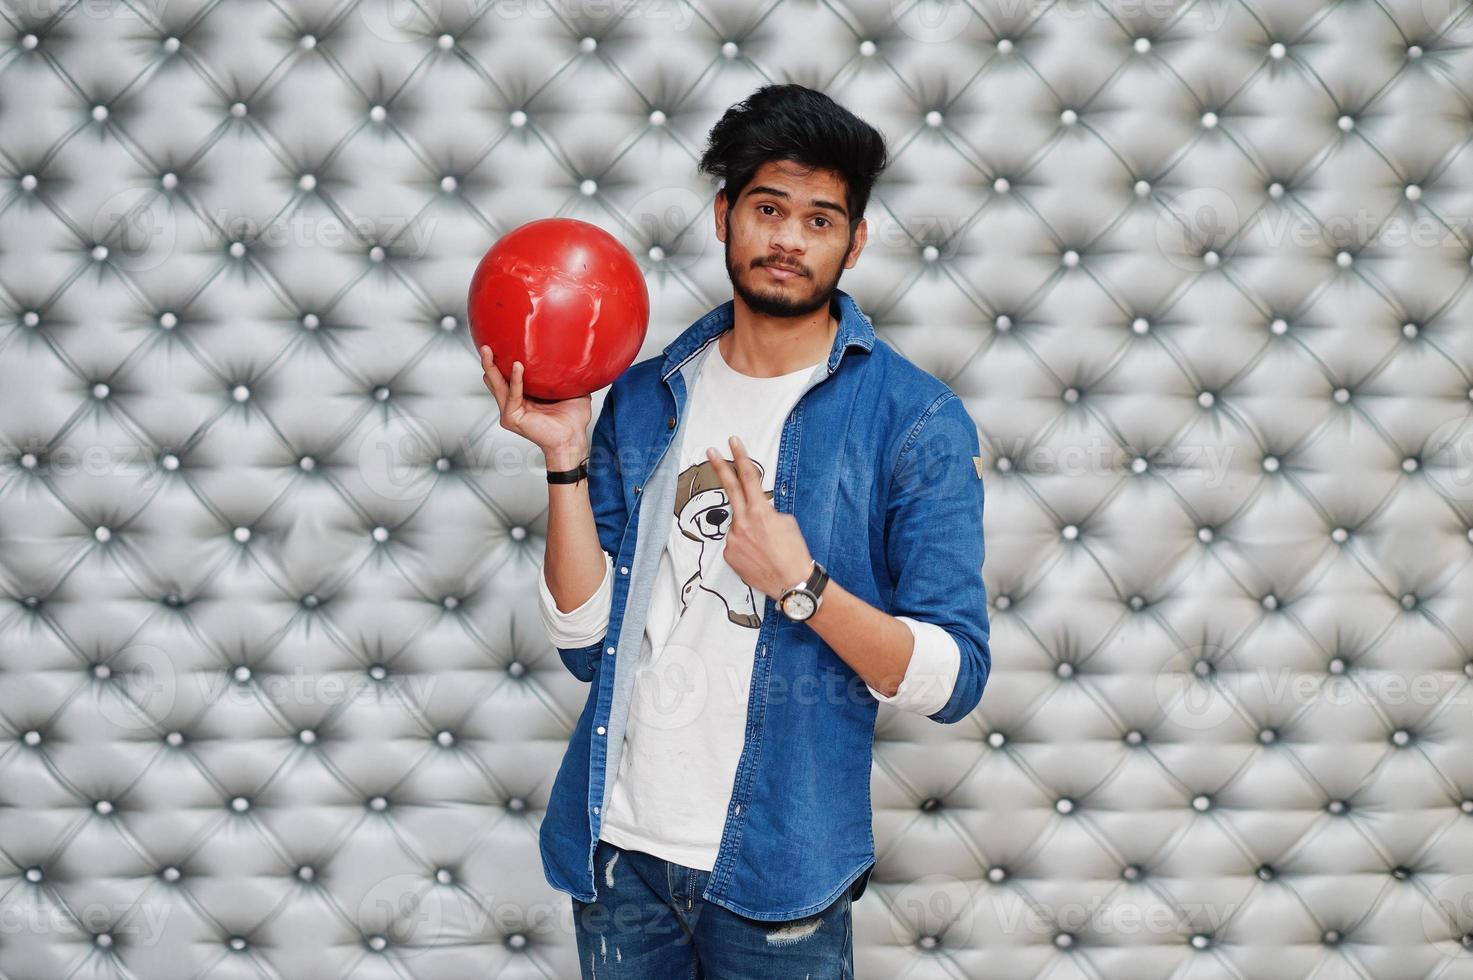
x: 587, y: 623
x: 934, y: 552
x: 930, y: 677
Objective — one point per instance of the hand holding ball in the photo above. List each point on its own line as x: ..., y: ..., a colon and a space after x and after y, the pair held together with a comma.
x: 566, y: 299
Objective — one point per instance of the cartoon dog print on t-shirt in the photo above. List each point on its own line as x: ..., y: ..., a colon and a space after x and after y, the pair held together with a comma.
x: 702, y: 514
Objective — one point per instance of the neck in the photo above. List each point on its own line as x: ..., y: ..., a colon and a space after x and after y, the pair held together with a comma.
x: 765, y: 346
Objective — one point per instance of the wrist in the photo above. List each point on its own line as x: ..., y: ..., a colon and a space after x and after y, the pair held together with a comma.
x: 565, y: 458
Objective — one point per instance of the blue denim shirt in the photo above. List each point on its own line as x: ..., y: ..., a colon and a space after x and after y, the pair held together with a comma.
x: 879, y: 463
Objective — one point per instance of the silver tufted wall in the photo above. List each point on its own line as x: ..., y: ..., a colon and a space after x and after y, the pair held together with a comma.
x: 274, y: 695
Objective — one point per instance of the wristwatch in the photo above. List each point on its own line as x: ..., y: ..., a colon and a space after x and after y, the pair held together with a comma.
x: 569, y: 476
x: 801, y: 601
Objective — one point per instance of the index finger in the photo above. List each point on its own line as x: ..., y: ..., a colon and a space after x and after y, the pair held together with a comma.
x: 730, y: 481
x: 493, y: 378
x: 747, y: 471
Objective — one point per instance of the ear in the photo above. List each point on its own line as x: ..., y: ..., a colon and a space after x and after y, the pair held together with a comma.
x: 861, y: 236
x: 720, y: 213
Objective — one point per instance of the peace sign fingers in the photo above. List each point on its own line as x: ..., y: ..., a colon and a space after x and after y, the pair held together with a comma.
x: 731, y: 482
x: 749, y: 474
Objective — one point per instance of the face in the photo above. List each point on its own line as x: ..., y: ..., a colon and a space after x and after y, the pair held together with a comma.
x: 787, y: 239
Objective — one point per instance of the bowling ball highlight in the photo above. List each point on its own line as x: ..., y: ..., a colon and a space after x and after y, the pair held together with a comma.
x: 566, y: 299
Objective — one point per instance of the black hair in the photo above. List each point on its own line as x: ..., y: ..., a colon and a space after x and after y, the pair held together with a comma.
x: 793, y: 122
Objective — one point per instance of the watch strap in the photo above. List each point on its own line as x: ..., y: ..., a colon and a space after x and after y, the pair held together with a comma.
x: 580, y: 472
x: 818, y: 579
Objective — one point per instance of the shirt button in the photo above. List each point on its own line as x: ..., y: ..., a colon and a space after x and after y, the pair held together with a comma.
x: 601, y: 729
x: 636, y: 488
x: 670, y: 422
x: 595, y: 809
x: 623, y: 569
x: 609, y: 650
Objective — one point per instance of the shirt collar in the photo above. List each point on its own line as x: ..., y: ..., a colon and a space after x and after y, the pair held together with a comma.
x: 855, y: 329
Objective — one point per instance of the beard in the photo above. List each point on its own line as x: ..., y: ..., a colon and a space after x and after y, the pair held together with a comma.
x: 777, y: 299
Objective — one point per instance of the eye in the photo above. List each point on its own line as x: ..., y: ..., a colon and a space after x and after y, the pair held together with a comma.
x: 761, y: 206
x: 824, y: 220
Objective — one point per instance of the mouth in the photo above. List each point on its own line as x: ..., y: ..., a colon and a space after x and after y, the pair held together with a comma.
x: 781, y: 272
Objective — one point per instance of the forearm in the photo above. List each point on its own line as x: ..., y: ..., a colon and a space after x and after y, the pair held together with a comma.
x: 877, y: 645
x: 573, y: 564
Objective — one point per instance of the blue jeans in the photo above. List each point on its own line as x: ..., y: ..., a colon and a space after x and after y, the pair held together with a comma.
x: 649, y: 922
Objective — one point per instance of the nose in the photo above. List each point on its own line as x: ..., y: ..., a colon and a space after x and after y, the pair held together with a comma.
x: 787, y: 241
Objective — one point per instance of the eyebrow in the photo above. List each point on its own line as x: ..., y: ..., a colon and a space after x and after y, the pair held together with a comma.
x: 816, y: 202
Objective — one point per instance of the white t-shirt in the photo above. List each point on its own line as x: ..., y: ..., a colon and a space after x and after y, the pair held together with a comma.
x: 688, y: 716
x: 689, y: 711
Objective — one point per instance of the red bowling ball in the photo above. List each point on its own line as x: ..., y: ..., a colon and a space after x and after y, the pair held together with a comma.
x: 566, y: 299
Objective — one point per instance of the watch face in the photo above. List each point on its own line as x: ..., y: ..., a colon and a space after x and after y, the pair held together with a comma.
x: 799, y: 605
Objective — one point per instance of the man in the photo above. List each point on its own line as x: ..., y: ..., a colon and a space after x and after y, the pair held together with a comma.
x: 776, y: 526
